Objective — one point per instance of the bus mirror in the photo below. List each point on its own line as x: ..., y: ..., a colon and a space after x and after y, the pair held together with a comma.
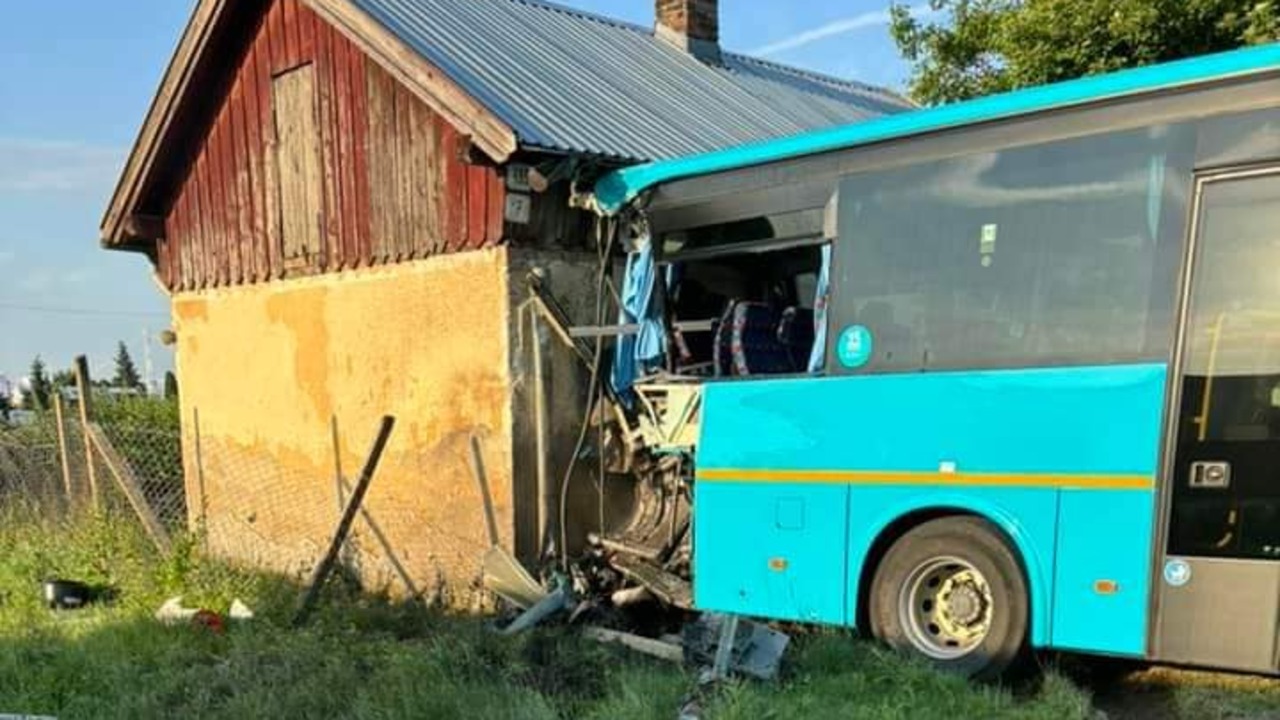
x: 1275, y: 396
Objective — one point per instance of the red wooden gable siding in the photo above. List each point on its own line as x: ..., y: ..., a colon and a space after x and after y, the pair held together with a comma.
x: 394, y: 187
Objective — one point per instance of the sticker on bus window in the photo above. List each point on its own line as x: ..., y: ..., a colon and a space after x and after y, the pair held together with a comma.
x: 854, y: 347
x: 988, y: 242
x: 1177, y: 573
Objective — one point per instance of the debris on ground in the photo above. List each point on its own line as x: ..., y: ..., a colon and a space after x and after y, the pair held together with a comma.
x: 558, y: 601
x: 73, y: 595
x: 503, y: 574
x: 173, y: 612
x: 754, y: 650
x: 209, y: 620
x: 239, y: 611
x: 506, y: 577
x: 666, y: 586
x: 661, y: 649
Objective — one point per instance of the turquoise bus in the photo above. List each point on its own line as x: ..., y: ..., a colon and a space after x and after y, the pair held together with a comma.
x: 984, y: 378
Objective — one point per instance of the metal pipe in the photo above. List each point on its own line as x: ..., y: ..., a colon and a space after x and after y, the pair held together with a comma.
x: 546, y: 494
x: 595, y: 331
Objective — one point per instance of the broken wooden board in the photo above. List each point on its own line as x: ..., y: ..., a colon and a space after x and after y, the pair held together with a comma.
x: 125, y: 477
x: 656, y: 648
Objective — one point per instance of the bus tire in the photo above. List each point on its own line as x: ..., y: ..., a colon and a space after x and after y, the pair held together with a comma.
x: 952, y: 591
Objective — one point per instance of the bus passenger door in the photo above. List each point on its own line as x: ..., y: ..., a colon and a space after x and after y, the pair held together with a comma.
x: 1219, y: 575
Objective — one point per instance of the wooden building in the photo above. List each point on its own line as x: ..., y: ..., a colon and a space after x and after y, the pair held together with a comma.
x: 343, y: 198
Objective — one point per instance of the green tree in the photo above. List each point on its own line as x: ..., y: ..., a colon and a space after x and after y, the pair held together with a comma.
x: 126, y: 372
x: 170, y: 386
x: 64, y: 379
x: 968, y: 48
x: 40, y: 387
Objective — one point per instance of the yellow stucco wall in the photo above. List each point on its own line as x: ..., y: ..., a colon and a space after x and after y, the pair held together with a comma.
x: 266, y: 371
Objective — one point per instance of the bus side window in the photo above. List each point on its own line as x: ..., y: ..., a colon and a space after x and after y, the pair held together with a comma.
x: 1053, y: 254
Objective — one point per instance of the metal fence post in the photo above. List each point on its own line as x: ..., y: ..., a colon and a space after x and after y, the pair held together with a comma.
x: 203, y: 529
x: 84, y: 389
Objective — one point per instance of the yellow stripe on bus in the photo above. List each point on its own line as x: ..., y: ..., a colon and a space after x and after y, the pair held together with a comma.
x: 890, y: 477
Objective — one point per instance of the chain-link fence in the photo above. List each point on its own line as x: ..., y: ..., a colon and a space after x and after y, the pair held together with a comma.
x: 242, y: 508
x: 32, y: 473
x: 126, y: 460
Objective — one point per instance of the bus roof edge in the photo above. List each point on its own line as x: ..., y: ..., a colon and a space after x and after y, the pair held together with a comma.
x: 615, y: 190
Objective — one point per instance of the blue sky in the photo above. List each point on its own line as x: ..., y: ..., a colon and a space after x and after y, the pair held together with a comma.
x: 76, y: 77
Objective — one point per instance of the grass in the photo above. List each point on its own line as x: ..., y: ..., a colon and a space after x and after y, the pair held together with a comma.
x: 1164, y: 693
x: 365, y: 657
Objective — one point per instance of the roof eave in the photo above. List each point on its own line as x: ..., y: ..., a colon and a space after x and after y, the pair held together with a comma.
x: 491, y: 134
x: 159, y: 116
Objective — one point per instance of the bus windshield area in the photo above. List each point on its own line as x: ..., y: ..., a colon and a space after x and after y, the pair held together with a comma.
x: 744, y: 313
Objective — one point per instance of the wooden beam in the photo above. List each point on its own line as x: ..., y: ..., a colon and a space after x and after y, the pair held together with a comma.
x: 654, y: 648
x: 84, y: 389
x: 354, y: 504
x: 426, y: 81
x: 125, y: 477
x: 64, y: 457
x: 164, y: 106
x: 143, y: 227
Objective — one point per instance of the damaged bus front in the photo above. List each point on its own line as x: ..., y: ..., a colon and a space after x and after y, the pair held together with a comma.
x: 977, y: 379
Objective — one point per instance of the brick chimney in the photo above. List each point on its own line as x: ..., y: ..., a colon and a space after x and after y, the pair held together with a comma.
x: 691, y: 25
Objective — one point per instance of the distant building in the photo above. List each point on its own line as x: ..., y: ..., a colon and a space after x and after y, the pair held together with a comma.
x: 20, y: 393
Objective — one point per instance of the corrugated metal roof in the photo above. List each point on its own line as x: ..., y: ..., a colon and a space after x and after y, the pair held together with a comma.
x: 566, y: 80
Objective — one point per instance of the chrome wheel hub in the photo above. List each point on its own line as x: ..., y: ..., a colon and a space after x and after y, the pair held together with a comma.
x: 945, y: 607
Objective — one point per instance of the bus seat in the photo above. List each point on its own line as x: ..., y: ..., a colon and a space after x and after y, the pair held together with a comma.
x: 747, y: 341
x: 796, y: 333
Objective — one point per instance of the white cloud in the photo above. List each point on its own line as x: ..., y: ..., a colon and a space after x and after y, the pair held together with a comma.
x: 843, y: 26
x: 51, y: 166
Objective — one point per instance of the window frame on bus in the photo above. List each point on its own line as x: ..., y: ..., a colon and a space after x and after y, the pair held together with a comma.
x: 852, y: 252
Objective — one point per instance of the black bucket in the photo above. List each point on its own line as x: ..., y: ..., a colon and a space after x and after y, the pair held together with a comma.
x: 66, y: 594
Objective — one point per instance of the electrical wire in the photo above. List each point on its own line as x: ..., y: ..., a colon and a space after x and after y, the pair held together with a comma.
x: 90, y: 312
x: 593, y: 392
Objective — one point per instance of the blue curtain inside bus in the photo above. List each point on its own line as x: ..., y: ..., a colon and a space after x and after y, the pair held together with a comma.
x: 639, y: 353
x: 818, y: 357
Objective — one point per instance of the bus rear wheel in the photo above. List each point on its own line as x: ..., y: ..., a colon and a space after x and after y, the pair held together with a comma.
x: 952, y: 591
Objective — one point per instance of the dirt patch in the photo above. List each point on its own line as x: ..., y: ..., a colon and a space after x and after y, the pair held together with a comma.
x: 1126, y: 700
x: 1172, y: 694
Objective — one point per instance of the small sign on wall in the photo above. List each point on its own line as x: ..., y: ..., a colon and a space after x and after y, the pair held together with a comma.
x: 519, y: 208
x: 518, y: 178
